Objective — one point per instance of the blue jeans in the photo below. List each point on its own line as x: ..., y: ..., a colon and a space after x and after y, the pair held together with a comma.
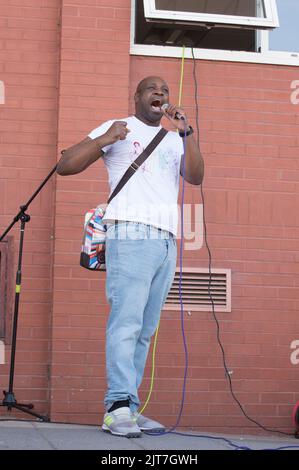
x: 140, y: 264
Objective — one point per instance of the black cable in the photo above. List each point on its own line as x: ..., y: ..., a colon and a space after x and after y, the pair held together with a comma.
x: 227, y: 372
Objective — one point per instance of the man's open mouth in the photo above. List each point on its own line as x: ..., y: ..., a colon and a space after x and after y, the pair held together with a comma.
x: 156, y: 106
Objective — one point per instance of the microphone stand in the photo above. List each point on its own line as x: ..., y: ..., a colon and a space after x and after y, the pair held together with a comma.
x: 9, y: 397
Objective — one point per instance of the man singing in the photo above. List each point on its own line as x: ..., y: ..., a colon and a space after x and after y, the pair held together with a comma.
x: 141, y: 238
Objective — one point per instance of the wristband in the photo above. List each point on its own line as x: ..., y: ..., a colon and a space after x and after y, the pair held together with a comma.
x: 186, y: 133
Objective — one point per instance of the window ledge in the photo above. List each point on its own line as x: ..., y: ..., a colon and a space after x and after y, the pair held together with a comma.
x: 275, y: 58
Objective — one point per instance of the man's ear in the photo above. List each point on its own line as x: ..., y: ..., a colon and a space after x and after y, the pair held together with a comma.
x: 136, y: 97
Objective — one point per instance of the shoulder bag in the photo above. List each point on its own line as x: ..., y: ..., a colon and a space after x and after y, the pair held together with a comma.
x: 94, y: 237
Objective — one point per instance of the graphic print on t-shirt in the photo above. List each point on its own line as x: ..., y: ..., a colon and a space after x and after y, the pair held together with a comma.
x: 137, y: 149
x: 163, y: 162
x: 150, y: 197
x: 135, y: 152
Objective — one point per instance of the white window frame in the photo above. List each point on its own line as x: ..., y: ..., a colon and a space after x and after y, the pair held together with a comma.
x: 270, y: 20
x: 266, y: 56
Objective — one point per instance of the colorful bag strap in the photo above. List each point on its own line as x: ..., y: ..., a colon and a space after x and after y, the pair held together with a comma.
x: 138, y: 162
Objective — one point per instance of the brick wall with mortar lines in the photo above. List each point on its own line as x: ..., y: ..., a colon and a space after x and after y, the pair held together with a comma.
x: 29, y: 43
x: 248, y: 134
x: 94, y: 85
x: 249, y: 138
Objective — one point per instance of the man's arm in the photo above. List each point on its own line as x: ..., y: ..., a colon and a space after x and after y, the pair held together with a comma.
x: 80, y: 156
x: 194, y: 164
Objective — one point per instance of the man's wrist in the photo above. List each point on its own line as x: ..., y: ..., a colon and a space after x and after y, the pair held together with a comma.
x: 103, y: 141
x: 186, y: 132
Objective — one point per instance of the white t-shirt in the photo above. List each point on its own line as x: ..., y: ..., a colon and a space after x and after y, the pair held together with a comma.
x: 150, y: 196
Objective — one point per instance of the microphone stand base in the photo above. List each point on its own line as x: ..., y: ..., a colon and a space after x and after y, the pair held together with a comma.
x: 10, y: 402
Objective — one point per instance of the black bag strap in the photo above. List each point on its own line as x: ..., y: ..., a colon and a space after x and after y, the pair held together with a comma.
x: 138, y: 162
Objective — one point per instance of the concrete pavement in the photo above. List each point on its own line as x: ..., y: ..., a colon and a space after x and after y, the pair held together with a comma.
x: 25, y: 435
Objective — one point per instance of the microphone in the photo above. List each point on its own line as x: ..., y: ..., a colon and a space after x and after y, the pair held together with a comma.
x: 177, y: 114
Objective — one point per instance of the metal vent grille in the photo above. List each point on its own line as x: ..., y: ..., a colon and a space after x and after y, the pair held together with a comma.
x: 197, y: 290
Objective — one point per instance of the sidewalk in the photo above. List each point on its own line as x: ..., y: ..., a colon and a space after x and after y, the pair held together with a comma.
x: 24, y: 435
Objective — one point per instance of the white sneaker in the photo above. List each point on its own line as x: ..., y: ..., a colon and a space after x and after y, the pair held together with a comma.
x: 120, y: 422
x: 147, y: 424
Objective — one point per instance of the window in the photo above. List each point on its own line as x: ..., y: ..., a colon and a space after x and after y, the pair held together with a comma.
x: 286, y: 37
x: 262, y: 31
x: 259, y: 13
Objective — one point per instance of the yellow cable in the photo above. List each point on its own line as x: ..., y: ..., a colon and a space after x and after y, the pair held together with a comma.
x: 153, y: 371
x: 157, y: 330
x: 182, y: 76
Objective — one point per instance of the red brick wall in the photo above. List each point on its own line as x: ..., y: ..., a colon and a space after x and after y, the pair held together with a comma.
x: 248, y: 135
x: 249, y: 138
x: 94, y: 86
x: 29, y: 51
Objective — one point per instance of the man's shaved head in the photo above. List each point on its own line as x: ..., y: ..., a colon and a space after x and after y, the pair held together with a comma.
x: 147, y: 80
